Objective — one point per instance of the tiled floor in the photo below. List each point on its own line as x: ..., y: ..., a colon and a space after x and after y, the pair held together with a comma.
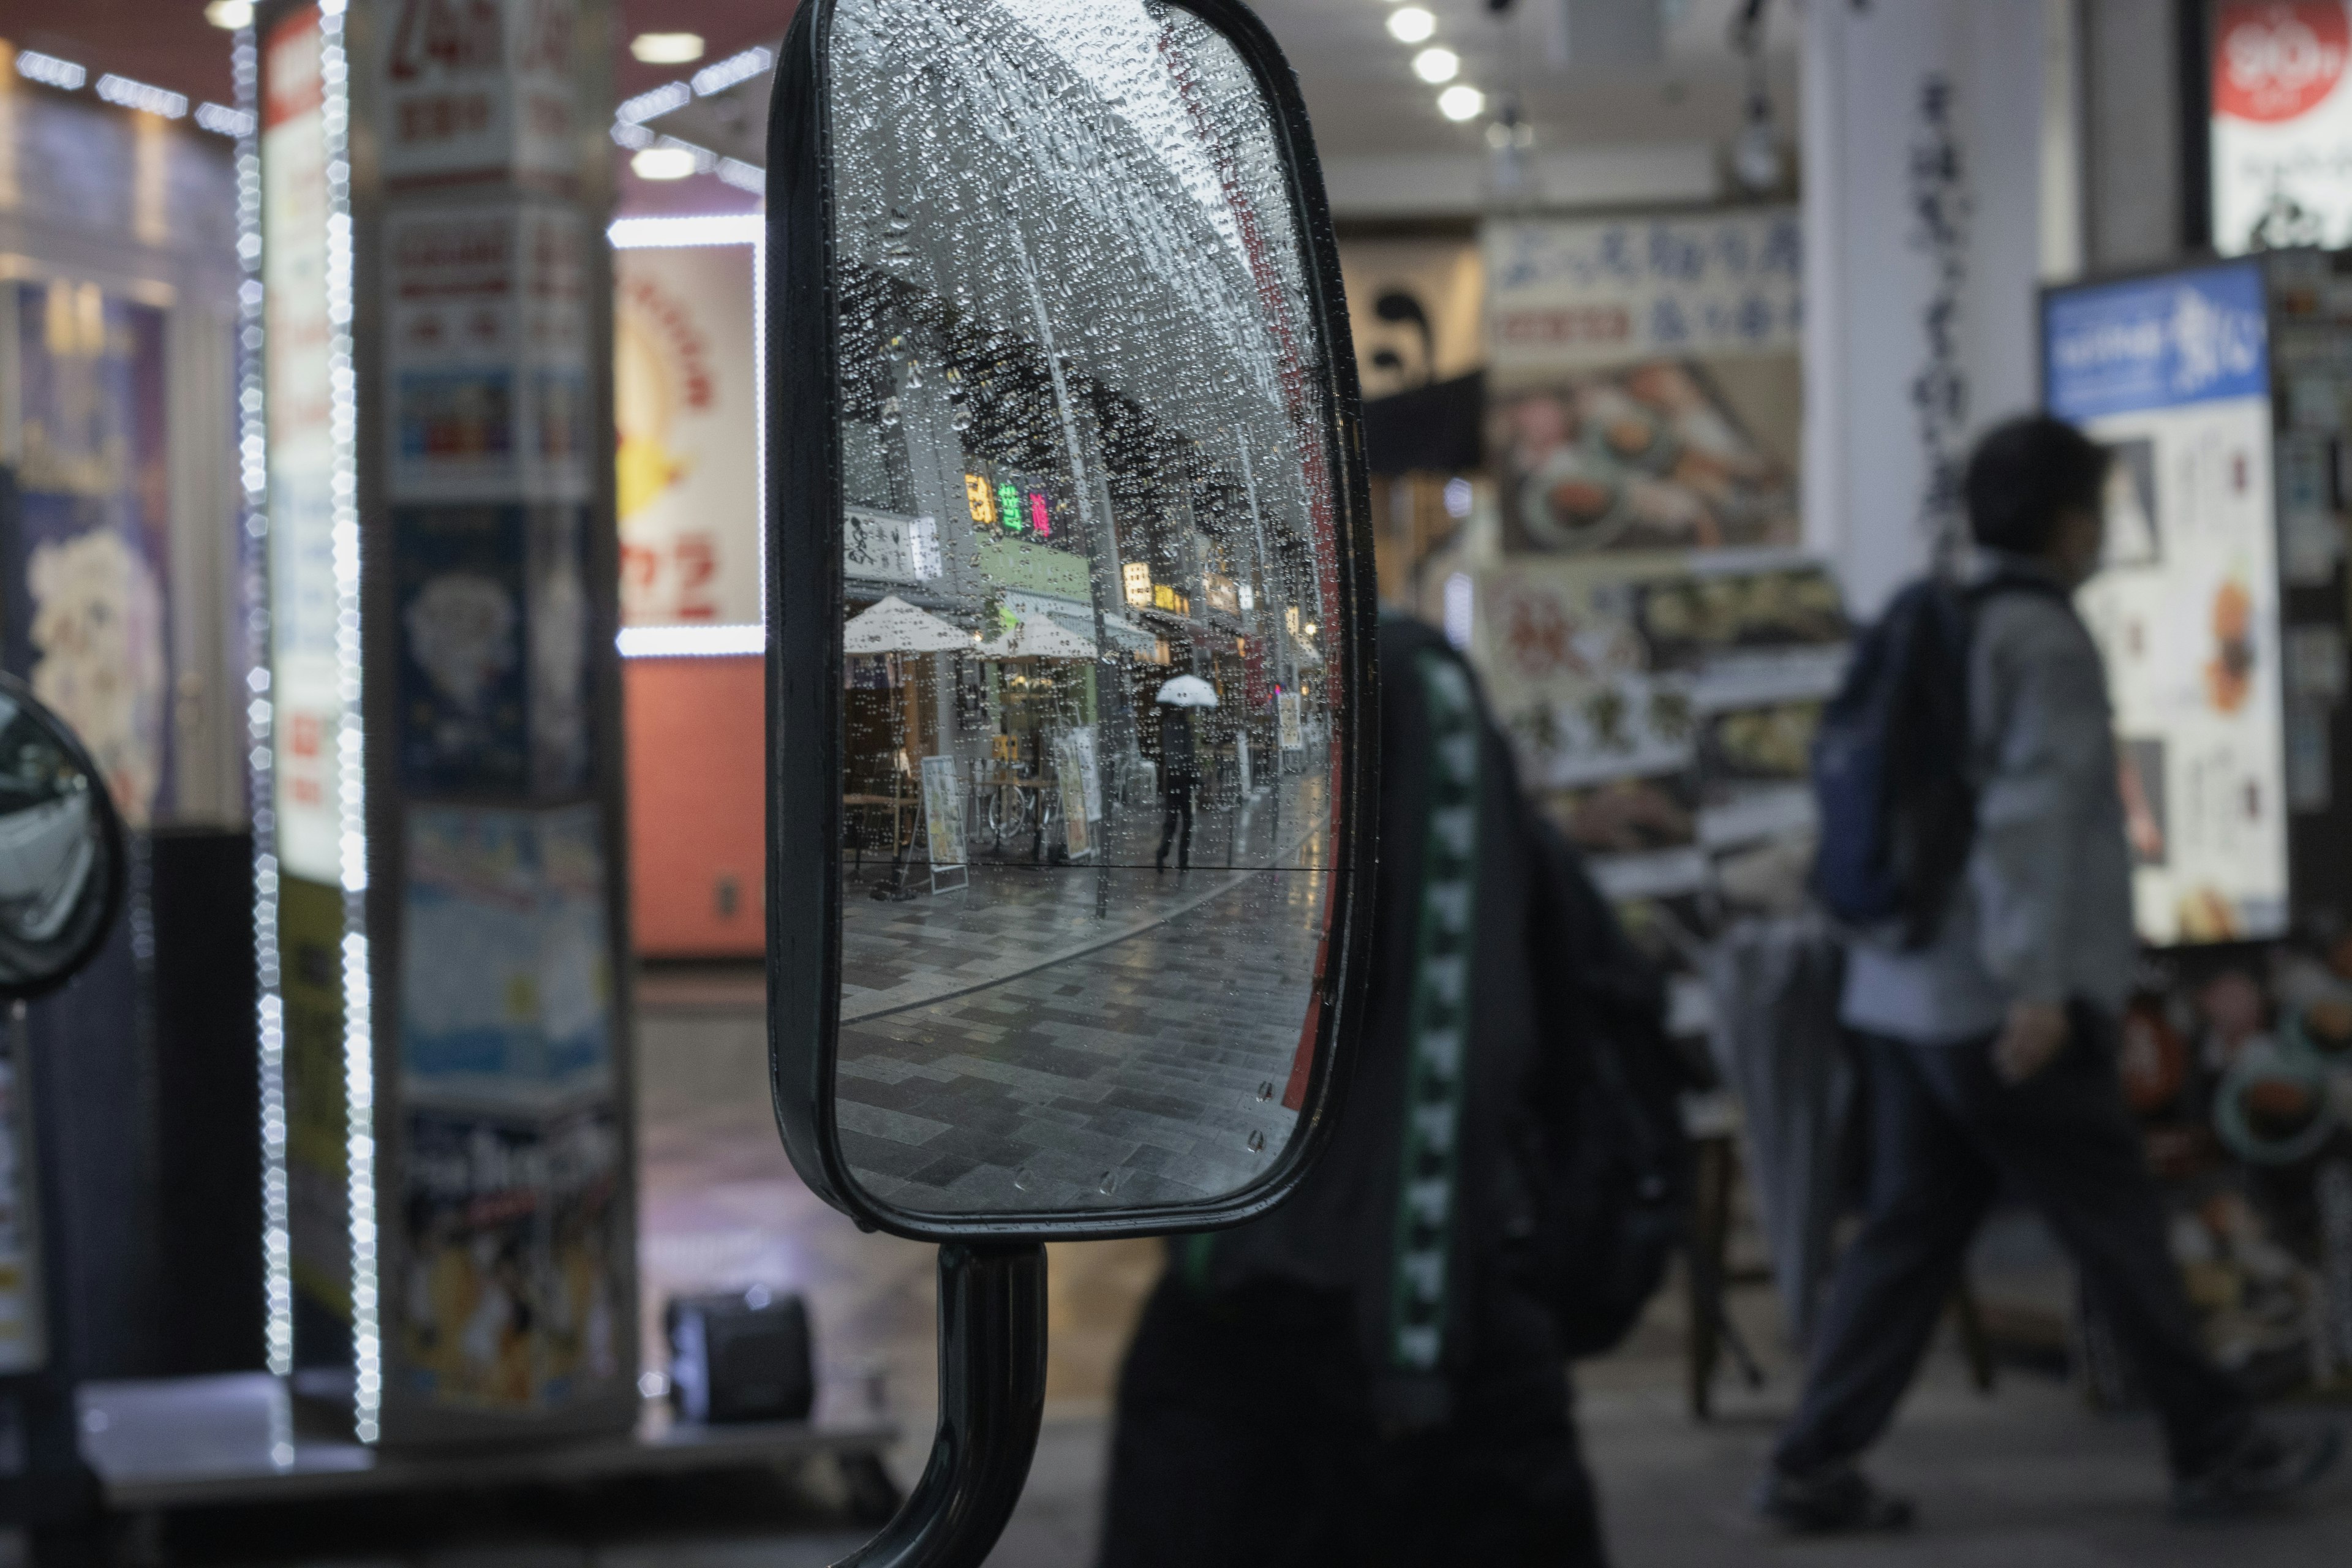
x: 2027, y: 1478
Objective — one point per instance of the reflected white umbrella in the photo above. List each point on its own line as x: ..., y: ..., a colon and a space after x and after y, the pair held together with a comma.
x: 894, y: 626
x: 1188, y: 692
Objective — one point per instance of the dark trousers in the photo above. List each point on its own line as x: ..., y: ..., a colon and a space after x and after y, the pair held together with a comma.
x: 1945, y: 1133
x: 1246, y: 1435
x: 1178, y: 810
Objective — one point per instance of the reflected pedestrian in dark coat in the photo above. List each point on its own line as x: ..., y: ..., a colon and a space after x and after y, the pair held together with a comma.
x: 1179, y: 776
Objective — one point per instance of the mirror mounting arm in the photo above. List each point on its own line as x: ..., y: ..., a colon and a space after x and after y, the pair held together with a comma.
x: 992, y: 1398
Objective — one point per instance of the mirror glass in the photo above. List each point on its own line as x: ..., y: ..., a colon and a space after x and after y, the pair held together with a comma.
x: 1090, y: 554
x: 60, y: 853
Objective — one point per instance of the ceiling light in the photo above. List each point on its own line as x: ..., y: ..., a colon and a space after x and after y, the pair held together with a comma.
x: 662, y: 163
x: 1433, y: 66
x: 665, y: 48
x: 1462, y: 101
x: 230, y: 15
x: 1412, y: 25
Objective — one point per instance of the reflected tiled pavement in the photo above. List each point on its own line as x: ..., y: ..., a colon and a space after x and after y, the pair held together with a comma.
x: 1075, y: 1037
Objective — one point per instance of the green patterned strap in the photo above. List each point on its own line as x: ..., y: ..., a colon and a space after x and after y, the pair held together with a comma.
x: 1437, y: 1024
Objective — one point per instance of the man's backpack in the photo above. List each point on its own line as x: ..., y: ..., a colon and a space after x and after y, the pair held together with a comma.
x: 1614, y: 1166
x: 1891, y: 761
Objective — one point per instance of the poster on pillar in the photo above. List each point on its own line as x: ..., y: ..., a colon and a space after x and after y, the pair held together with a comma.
x: 487, y: 377
x: 2172, y: 374
x: 480, y: 92
x: 686, y: 402
x: 87, y: 545
x: 306, y: 666
x: 2282, y: 125
x: 515, y: 1237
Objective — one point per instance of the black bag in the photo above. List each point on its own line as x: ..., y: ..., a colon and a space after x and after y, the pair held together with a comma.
x: 1890, y: 762
x: 1614, y: 1168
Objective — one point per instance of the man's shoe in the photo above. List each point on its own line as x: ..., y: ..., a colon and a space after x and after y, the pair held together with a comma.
x: 2267, y: 1467
x: 1836, y: 1499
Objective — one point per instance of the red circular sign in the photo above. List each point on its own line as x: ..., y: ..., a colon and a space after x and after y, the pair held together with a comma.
x: 2273, y: 60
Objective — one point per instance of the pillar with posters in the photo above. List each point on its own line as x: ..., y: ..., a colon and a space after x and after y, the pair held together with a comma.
x: 451, y: 1227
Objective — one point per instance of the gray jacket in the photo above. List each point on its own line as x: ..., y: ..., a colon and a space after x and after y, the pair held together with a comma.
x: 2044, y: 913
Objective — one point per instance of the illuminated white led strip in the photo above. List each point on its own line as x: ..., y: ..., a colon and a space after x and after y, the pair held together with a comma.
x: 67, y: 75
x: 690, y: 642
x: 676, y: 233
x: 359, y: 1039
x: 253, y: 468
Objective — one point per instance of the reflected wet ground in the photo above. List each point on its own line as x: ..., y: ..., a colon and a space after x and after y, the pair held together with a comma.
x: 1083, y: 1037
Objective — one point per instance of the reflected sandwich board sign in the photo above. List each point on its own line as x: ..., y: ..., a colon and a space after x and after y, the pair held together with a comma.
x: 1286, y: 720
x: 1074, y: 777
x: 943, y: 819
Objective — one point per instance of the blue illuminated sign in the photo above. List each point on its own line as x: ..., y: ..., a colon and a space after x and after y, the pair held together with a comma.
x: 2155, y: 343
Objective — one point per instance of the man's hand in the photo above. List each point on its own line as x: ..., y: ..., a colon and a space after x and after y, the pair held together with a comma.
x: 2036, y: 1032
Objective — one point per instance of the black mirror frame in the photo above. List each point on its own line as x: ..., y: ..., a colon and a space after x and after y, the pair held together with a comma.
x: 805, y: 600
x: 109, y: 828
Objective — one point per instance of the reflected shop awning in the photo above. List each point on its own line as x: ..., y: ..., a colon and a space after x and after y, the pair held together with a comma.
x: 1122, y: 637
x: 894, y: 626
x: 1039, y: 636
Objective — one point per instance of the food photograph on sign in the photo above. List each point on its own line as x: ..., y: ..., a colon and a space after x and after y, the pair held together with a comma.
x: 1647, y: 457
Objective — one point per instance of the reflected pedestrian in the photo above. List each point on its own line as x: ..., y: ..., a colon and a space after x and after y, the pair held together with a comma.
x: 1180, y: 768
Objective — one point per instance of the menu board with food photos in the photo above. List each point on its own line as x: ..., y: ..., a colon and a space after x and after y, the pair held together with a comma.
x: 2221, y: 392
x: 2172, y: 374
x: 1662, y: 709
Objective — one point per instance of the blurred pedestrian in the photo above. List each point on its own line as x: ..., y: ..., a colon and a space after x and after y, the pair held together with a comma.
x: 1992, y: 1042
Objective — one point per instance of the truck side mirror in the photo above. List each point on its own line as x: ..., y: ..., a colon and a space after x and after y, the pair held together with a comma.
x: 1070, y: 618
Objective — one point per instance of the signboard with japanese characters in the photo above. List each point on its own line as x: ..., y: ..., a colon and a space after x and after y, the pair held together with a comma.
x: 2282, y: 127
x: 479, y: 91
x: 1566, y: 294
x: 685, y: 398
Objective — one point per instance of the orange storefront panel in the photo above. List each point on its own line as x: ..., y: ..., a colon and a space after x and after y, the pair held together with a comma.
x: 698, y: 828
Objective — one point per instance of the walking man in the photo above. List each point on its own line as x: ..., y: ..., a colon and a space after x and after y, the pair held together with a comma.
x: 1992, y: 1046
